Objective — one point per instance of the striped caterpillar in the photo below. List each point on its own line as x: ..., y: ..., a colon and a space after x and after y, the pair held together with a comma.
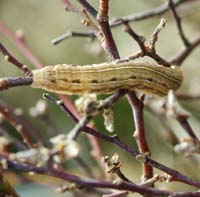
x: 106, y: 78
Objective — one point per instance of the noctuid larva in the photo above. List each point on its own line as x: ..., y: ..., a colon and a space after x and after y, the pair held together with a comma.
x: 106, y: 78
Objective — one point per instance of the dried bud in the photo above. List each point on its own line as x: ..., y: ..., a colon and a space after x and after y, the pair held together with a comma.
x: 1, y: 118
x: 39, y: 109
x: 18, y: 111
x: 109, y: 119
x: 67, y: 147
x: 19, y: 34
x: 4, y: 164
x: 187, y: 146
x: 4, y: 142
x: 37, y: 156
x: 112, y: 164
x: 87, y: 104
x: 65, y: 188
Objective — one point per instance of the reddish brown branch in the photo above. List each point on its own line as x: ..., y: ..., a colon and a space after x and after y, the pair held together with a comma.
x: 17, y: 125
x: 6, y: 31
x: 137, y: 107
x: 102, y: 19
x: 13, y: 60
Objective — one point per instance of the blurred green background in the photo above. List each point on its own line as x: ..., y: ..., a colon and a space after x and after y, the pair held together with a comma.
x: 42, y: 21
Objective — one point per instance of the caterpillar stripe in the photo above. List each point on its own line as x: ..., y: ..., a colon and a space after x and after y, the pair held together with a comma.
x: 106, y: 78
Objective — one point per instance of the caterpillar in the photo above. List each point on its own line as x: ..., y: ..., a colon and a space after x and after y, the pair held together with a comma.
x: 106, y: 78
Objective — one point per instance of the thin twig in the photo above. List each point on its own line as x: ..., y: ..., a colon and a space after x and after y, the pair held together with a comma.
x: 143, y: 15
x: 183, y: 121
x: 184, y: 53
x: 154, y: 36
x: 65, y: 105
x: 85, y: 119
x: 84, y: 166
x: 186, y: 97
x: 8, y: 57
x: 88, y: 7
x: 146, y: 14
x: 70, y: 34
x: 178, y: 23
x: 20, y: 44
x: 12, y: 119
x: 146, y: 50
x: 69, y: 6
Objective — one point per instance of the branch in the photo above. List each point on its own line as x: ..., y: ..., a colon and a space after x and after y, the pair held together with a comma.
x: 184, y: 53
x: 13, y: 60
x: 177, y: 176
x: 146, y: 50
x: 84, y: 182
x: 137, y: 108
x: 11, y: 82
x: 142, y: 15
x: 12, y: 119
x: 102, y: 19
x: 185, y: 97
x: 146, y: 14
x: 88, y: 7
x: 73, y: 34
x: 85, y: 119
x: 178, y: 23
x: 20, y: 43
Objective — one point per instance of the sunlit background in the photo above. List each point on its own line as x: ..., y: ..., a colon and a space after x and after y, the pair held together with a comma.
x: 42, y: 21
